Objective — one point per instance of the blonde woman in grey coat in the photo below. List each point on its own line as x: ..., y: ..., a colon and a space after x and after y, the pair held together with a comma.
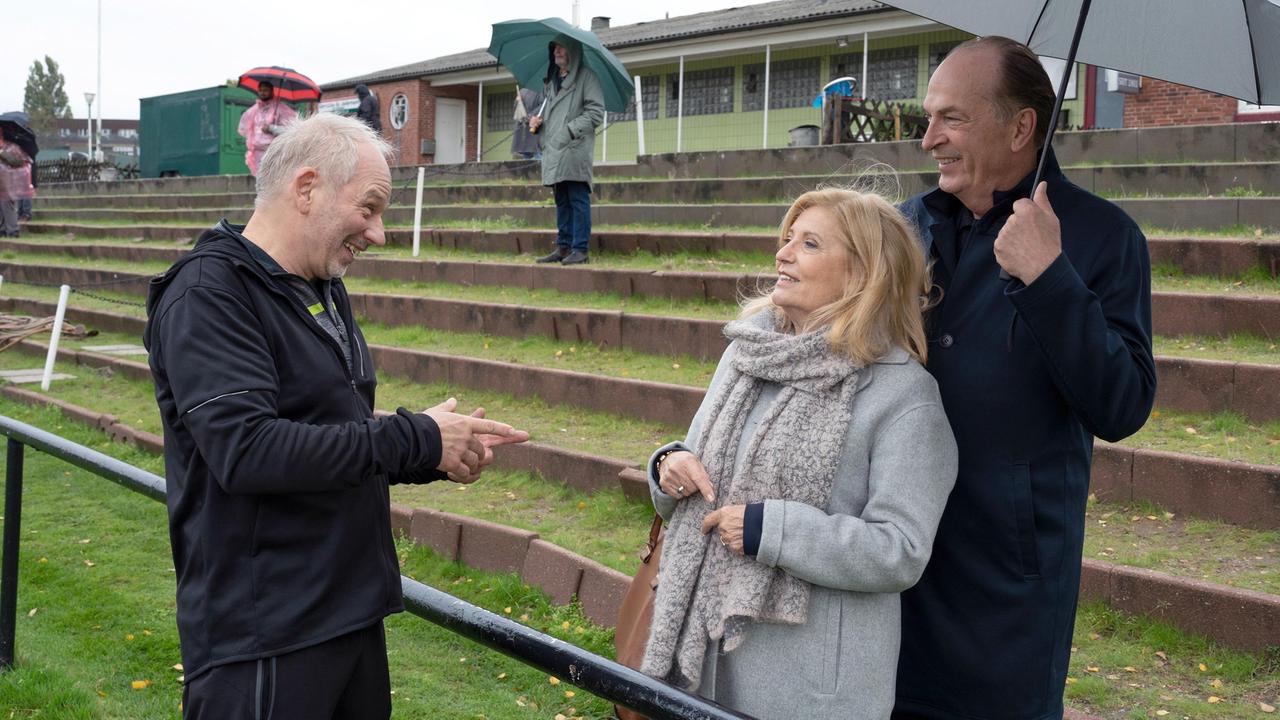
x: 807, y: 493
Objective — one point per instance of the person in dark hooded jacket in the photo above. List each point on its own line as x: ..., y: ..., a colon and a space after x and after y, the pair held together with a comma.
x: 369, y: 112
x: 277, y: 469
x: 1030, y: 369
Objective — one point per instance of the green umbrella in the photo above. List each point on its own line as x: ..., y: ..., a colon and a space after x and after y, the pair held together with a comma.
x: 521, y: 46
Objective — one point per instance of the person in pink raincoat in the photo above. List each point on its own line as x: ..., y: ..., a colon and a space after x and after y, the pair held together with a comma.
x: 15, y: 184
x: 261, y: 123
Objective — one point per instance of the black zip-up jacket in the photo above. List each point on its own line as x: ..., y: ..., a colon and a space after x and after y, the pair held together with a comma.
x: 277, y: 470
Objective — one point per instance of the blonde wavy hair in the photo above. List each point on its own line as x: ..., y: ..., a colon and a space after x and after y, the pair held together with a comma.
x: 888, y: 279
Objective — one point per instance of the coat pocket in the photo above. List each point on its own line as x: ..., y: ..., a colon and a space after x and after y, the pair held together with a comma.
x: 831, y: 644
x: 1024, y: 516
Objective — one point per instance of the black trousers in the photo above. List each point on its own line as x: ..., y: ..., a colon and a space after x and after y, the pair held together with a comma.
x: 345, y: 678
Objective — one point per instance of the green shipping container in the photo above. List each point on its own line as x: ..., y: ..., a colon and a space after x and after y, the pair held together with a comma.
x: 193, y: 132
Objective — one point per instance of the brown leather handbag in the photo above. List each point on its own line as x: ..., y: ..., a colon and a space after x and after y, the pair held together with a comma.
x: 632, y: 631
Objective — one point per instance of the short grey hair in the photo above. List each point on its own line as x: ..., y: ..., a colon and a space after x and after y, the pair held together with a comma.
x: 327, y: 142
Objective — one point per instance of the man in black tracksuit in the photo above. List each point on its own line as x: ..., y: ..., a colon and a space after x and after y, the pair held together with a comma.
x: 277, y: 469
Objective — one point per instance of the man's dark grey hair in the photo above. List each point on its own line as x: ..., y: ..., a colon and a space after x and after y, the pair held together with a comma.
x: 327, y: 142
x: 1021, y: 81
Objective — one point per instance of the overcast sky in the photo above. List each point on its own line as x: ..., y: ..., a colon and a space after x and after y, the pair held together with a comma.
x: 155, y: 47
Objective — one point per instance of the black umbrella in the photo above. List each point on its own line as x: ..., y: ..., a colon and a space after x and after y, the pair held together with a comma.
x: 17, y: 129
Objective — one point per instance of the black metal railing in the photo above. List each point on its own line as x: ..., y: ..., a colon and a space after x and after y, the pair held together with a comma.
x: 598, y: 675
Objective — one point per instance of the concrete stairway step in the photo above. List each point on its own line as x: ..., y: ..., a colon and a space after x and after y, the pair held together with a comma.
x: 1122, y: 180
x: 1217, y: 256
x: 1202, y: 213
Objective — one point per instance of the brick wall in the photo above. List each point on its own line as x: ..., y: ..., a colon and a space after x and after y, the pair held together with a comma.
x: 1165, y: 103
x: 422, y: 115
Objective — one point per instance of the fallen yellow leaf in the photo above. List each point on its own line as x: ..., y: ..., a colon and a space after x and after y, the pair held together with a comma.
x: 88, y: 563
x: 1265, y: 707
x: 1204, y: 668
x: 1162, y: 713
x: 140, y: 684
x: 1216, y: 683
x: 553, y: 680
x: 1214, y: 699
x: 1160, y: 654
x: 507, y: 610
x: 569, y: 693
x: 128, y: 637
x: 1071, y: 681
x: 1091, y: 668
x: 502, y: 676
x: 1130, y: 668
x: 33, y: 612
x: 1190, y: 430
x: 178, y: 667
x: 565, y: 625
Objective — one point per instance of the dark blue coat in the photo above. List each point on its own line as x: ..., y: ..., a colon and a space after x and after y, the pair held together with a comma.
x: 1028, y: 375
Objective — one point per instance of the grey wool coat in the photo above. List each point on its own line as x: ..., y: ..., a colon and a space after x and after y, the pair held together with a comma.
x: 570, y: 120
x: 870, y: 543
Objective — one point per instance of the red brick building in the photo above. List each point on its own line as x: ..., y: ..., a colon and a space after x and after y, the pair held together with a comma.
x: 1164, y: 103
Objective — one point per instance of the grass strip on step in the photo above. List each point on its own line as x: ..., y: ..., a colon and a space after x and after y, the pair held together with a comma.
x: 1239, y: 347
x: 541, y: 297
x: 1254, y: 281
x: 1125, y: 668
x: 603, y: 526
x: 1225, y: 436
x: 1144, y: 535
x: 538, y: 351
x: 1227, y: 232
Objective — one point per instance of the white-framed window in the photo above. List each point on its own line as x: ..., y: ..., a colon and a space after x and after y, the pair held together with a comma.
x: 1246, y: 108
x: 399, y: 111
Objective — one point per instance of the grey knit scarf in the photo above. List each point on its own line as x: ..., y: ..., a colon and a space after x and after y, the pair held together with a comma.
x: 705, y: 592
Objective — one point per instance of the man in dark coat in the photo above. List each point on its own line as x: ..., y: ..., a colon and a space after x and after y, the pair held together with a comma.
x: 277, y: 469
x: 1030, y: 370
x: 369, y: 111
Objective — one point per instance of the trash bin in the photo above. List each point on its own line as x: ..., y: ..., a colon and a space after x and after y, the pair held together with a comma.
x: 803, y: 136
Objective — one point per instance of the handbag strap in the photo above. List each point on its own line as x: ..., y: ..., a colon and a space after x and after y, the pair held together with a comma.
x: 654, y: 531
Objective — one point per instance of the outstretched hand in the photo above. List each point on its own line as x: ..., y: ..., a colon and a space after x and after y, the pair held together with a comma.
x: 467, y: 441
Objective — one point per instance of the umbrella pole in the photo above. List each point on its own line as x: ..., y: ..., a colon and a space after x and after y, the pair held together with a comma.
x: 1062, y: 91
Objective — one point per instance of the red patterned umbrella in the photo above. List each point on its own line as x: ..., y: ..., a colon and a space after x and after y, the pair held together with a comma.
x: 289, y: 84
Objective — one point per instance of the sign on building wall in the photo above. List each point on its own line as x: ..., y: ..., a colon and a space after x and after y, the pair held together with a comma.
x: 346, y: 106
x: 1123, y: 82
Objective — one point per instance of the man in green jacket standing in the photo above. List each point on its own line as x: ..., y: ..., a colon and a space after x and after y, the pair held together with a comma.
x: 575, y: 108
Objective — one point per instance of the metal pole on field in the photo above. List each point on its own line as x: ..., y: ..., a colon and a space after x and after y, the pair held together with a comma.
x: 765, y: 142
x: 680, y: 105
x: 865, y: 51
x: 97, y: 156
x: 479, y: 121
x: 63, y: 293
x: 639, y: 119
x: 417, y: 213
x: 9, y: 571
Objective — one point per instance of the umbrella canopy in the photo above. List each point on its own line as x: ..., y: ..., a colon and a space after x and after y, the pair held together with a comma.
x: 521, y: 46
x: 1231, y: 47
x: 17, y: 128
x: 289, y: 84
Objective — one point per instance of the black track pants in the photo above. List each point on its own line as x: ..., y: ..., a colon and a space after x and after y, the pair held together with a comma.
x: 341, y: 679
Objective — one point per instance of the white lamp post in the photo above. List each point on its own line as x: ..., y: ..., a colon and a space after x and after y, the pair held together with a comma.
x: 88, y: 97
